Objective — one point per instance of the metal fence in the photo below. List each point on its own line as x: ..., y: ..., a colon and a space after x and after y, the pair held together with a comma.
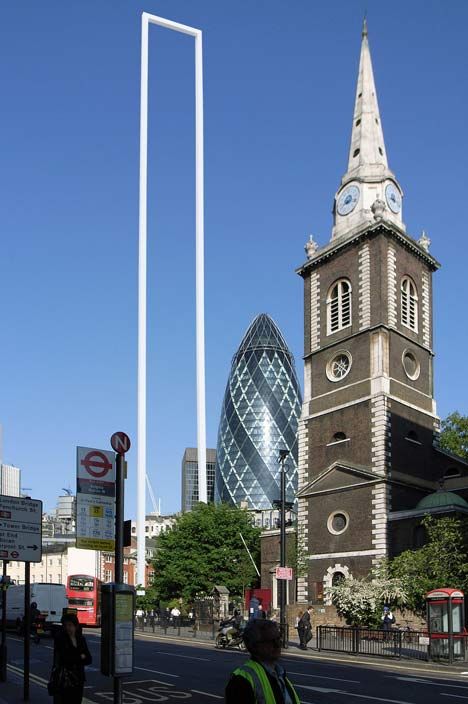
x: 176, y: 626
x: 394, y: 643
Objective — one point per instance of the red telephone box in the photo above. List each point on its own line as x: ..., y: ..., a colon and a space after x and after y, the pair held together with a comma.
x: 446, y: 621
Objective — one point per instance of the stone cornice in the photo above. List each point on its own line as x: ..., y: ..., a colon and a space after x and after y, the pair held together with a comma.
x: 368, y: 232
x: 372, y: 328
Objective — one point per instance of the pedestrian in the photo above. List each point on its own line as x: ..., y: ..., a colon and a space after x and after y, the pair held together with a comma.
x: 71, y: 655
x: 175, y: 614
x: 297, y: 625
x: 388, y: 619
x: 254, y: 606
x: 261, y: 679
x: 305, y: 628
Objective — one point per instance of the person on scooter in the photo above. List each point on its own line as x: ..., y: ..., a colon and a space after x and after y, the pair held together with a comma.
x: 233, y: 625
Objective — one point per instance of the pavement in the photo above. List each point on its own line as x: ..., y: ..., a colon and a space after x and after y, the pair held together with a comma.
x: 168, y: 669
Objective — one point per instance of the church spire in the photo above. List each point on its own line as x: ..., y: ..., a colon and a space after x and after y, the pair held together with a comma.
x: 367, y: 155
x: 369, y: 190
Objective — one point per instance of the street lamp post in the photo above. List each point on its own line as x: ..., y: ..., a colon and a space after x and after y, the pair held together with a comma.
x: 282, y: 582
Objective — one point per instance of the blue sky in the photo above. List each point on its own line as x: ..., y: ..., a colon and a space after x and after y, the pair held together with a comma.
x: 279, y: 88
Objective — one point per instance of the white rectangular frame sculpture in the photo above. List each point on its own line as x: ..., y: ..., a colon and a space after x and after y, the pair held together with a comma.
x: 146, y: 20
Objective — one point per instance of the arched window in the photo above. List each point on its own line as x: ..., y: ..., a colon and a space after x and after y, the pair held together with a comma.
x: 409, y: 304
x: 339, y: 306
x: 413, y: 436
x: 337, y: 578
x: 338, y: 437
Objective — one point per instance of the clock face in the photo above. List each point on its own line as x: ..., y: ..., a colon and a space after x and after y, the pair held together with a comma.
x: 348, y: 200
x: 393, y: 197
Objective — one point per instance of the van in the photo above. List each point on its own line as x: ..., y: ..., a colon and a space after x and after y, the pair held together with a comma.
x: 51, y: 601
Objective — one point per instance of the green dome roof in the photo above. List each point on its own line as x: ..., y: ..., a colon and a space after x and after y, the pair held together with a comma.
x: 440, y: 499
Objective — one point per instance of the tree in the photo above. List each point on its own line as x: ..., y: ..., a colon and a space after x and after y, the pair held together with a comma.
x: 204, y: 548
x: 148, y: 601
x: 442, y: 562
x: 454, y: 434
x: 361, y: 601
x: 296, y: 553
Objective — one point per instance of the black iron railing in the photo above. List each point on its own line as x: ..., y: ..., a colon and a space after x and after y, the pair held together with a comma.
x: 392, y: 643
x: 176, y: 626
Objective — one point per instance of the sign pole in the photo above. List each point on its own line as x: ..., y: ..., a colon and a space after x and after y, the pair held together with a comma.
x: 283, y: 583
x: 119, y: 519
x: 120, y: 444
x: 3, y: 647
x: 27, y: 628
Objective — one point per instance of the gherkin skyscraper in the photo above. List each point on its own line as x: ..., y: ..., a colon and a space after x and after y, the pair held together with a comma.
x: 259, y: 417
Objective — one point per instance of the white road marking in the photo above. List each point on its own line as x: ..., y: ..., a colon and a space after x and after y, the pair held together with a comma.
x: 41, y: 682
x: 206, y: 694
x: 188, y: 657
x: 129, y: 682
x: 352, y: 694
x: 323, y: 677
x: 156, y: 672
x: 456, y: 696
x: 417, y: 680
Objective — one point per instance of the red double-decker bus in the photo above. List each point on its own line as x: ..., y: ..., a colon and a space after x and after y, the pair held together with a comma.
x: 84, y: 595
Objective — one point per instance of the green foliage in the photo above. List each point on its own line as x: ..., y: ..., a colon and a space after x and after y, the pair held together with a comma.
x: 148, y: 601
x: 296, y: 552
x: 442, y: 562
x: 204, y: 548
x: 361, y: 601
x: 454, y: 434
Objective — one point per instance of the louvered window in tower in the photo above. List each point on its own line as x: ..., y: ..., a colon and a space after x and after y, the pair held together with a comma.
x: 339, y: 306
x: 409, y: 304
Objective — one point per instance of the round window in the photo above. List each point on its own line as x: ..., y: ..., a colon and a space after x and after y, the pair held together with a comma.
x: 338, y: 522
x: 339, y: 365
x: 411, y: 365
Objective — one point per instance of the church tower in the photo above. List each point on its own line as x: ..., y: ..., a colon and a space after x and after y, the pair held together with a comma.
x: 368, y: 423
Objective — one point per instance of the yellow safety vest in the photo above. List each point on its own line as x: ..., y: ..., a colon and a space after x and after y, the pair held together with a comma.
x: 255, y: 674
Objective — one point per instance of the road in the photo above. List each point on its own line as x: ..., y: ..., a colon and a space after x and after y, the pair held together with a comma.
x: 166, y: 670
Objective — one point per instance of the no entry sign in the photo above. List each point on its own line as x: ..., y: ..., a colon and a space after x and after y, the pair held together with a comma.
x: 95, y: 499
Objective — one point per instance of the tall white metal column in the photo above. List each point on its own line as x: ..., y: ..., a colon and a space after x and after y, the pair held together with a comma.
x: 146, y: 20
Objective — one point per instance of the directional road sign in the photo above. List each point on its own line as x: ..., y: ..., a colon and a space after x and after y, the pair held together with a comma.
x: 95, y: 499
x: 20, y: 529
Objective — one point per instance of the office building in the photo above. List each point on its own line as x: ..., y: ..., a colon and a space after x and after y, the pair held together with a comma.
x: 10, y: 480
x: 259, y: 417
x: 190, y: 494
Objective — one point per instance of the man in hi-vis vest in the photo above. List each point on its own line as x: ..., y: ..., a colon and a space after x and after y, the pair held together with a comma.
x: 261, y: 680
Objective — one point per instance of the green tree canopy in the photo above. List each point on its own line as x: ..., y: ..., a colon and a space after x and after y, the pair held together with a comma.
x: 442, y: 562
x: 204, y: 548
x: 454, y: 434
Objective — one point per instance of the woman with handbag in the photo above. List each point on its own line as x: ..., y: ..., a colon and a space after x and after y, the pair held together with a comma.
x: 71, y: 655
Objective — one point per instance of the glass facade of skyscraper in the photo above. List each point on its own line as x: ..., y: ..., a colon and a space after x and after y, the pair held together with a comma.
x: 190, y: 493
x: 259, y: 417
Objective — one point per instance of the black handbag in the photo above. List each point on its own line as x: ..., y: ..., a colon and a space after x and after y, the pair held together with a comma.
x: 53, y: 683
x: 62, y: 678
